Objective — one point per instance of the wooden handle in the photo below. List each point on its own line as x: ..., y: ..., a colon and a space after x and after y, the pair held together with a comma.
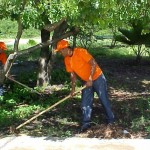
x: 62, y: 100
x: 32, y: 90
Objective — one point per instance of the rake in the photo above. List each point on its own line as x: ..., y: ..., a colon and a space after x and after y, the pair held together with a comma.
x: 15, y: 130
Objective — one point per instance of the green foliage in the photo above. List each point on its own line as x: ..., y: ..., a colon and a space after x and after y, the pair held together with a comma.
x: 31, y: 32
x: 107, y: 13
x: 60, y: 76
x: 141, y: 123
x: 8, y: 28
x: 20, y: 103
x: 32, y: 42
x: 135, y: 37
x: 138, y: 116
x: 11, y: 111
x: 86, y: 38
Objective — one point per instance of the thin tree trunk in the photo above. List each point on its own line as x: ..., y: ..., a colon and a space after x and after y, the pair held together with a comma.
x: 11, y: 58
x: 74, y: 41
x: 44, y: 61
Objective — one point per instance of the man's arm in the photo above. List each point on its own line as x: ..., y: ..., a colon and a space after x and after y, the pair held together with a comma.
x: 73, y: 82
x: 9, y: 62
x: 2, y: 74
x: 1, y: 64
x: 93, y: 64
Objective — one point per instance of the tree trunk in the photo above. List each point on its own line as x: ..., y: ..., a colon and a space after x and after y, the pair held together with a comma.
x: 59, y: 30
x: 46, y: 57
x: 11, y: 58
x: 139, y: 55
x: 74, y: 40
x: 44, y: 61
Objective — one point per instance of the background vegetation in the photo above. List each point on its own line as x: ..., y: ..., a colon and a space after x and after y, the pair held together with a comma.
x: 9, y: 29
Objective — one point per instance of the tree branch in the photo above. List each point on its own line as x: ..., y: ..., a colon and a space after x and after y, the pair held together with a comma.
x: 51, y: 27
x: 19, y: 33
x: 40, y: 45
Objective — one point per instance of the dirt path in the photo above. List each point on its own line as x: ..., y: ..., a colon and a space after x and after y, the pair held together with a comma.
x: 24, y: 142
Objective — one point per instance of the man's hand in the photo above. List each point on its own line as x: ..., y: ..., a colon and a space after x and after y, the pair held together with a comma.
x: 93, y: 64
x: 73, y: 83
x: 89, y: 83
x: 11, y: 56
x: 72, y: 92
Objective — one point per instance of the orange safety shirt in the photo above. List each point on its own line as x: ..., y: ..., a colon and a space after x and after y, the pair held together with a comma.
x: 3, y: 58
x: 79, y: 63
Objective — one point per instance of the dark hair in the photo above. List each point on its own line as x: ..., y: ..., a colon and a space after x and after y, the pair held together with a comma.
x: 70, y: 47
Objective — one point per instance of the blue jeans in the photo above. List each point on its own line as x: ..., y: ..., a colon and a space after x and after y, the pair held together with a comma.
x: 1, y: 90
x: 100, y: 87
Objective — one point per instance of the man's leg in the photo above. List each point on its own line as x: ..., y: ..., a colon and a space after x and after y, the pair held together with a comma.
x: 1, y: 90
x: 2, y: 77
x: 86, y: 106
x: 100, y: 86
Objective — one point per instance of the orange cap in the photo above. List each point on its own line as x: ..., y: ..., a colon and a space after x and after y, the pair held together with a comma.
x: 61, y: 44
x: 3, y: 46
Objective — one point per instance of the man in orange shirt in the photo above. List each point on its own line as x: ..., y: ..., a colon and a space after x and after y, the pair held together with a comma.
x: 80, y: 63
x: 3, y: 59
x: 3, y: 56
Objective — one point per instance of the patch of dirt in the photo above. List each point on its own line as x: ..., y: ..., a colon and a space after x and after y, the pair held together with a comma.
x: 113, y: 131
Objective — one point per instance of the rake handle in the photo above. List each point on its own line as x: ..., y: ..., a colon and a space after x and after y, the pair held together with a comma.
x: 23, y: 85
x: 62, y: 100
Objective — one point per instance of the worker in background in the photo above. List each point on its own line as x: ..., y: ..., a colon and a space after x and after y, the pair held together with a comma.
x: 3, y: 59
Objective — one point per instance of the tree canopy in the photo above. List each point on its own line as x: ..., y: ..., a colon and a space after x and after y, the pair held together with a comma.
x: 86, y: 15
x: 81, y: 13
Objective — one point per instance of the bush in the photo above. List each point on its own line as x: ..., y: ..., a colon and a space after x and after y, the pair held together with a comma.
x: 60, y: 76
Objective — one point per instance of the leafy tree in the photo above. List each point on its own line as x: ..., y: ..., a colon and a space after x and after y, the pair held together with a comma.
x: 135, y: 31
x: 28, y: 13
x: 66, y: 18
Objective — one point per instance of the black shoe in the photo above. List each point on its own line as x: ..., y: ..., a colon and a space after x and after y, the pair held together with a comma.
x: 84, y: 128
